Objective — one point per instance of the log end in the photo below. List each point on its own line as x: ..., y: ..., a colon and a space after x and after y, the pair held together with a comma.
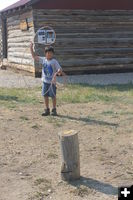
x: 67, y: 133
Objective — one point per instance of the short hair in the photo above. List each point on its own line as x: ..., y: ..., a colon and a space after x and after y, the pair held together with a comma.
x: 49, y: 49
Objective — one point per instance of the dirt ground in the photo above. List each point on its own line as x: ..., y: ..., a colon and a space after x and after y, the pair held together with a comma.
x: 30, y: 153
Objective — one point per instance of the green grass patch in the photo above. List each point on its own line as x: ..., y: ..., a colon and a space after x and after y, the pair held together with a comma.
x: 39, y: 181
x: 81, y: 191
x: 126, y: 113
x: 58, y: 122
x: 81, y: 93
x: 10, y: 98
x: 76, y: 93
x: 36, y: 127
x: 24, y: 118
x: 109, y: 112
x: 52, y: 155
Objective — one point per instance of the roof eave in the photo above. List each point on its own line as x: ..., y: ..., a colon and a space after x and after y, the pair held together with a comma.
x: 27, y: 5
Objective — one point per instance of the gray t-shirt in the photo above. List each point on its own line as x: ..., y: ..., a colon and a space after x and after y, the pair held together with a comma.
x: 49, y: 68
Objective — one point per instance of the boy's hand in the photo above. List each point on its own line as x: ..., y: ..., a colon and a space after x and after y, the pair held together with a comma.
x: 33, y: 53
x: 59, y: 72
x: 54, y: 79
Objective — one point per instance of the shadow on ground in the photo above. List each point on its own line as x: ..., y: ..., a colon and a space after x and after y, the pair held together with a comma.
x: 96, y: 185
x: 88, y: 120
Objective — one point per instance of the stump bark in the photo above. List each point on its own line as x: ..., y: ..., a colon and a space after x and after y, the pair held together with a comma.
x: 70, y: 168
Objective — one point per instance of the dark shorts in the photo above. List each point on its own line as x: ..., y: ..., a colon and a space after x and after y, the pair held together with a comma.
x: 48, y: 90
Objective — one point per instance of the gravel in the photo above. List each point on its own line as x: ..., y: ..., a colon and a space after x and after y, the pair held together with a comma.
x: 101, y: 79
x: 10, y: 79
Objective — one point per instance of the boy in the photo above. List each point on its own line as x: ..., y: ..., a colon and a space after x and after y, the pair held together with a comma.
x: 50, y: 68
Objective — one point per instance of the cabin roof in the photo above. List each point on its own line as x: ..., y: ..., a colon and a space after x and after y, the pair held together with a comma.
x: 68, y: 4
x: 17, y: 4
x: 20, y: 3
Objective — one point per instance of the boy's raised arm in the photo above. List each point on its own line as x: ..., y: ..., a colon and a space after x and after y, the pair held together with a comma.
x: 34, y: 56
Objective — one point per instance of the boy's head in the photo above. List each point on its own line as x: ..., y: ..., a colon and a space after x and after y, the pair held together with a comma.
x: 49, y: 52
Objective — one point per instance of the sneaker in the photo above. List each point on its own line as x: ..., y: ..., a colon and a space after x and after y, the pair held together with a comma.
x: 46, y: 112
x: 54, y: 113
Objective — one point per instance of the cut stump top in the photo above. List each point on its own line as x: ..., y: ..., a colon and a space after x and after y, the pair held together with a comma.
x: 68, y: 133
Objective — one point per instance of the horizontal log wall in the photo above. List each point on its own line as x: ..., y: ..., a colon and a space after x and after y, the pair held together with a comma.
x: 19, y: 42
x: 90, y: 40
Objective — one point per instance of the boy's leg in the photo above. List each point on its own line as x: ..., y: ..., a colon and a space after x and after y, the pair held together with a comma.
x: 46, y: 99
x: 46, y: 102
x: 54, y: 113
x: 47, y: 110
x: 54, y: 102
x: 52, y: 94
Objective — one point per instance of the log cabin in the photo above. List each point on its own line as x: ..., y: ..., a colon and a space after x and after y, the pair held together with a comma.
x: 92, y: 36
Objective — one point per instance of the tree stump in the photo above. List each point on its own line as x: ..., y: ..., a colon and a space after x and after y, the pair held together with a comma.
x: 70, y: 168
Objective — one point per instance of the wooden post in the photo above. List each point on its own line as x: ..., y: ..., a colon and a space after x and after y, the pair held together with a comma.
x: 70, y: 169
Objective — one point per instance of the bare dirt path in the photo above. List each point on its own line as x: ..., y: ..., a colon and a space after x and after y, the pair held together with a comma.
x: 30, y: 152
